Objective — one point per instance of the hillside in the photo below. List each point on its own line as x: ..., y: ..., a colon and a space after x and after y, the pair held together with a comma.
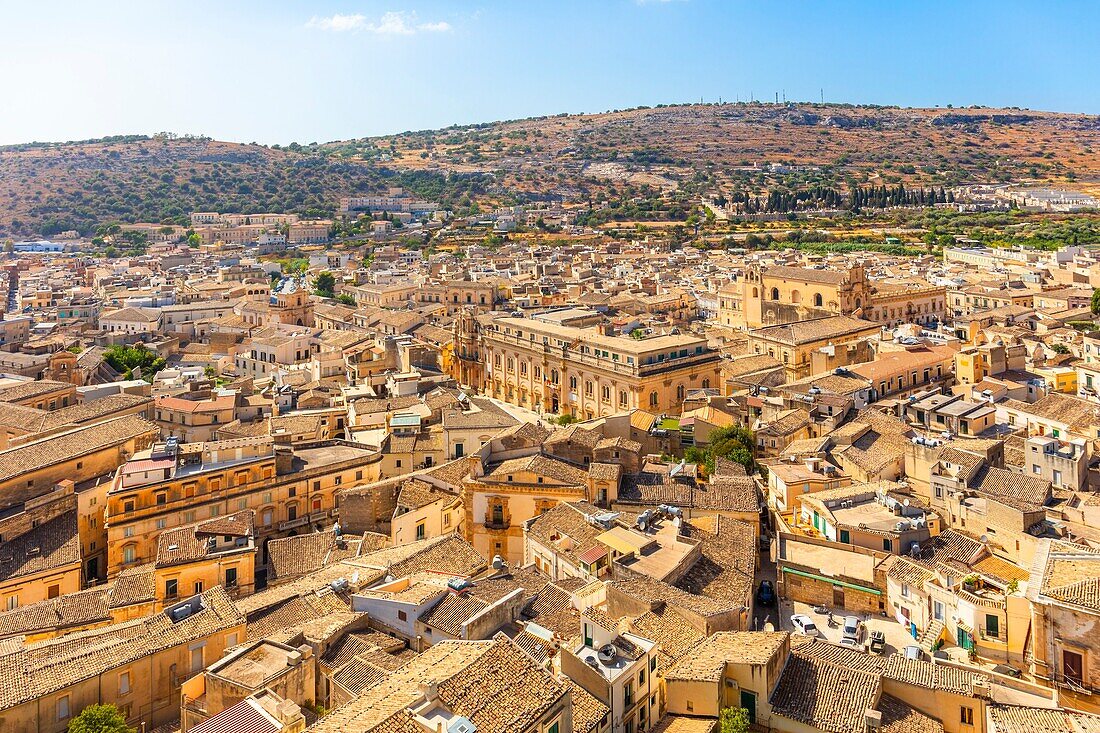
x: 692, y: 149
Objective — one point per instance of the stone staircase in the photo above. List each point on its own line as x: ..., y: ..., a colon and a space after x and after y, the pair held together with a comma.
x: 929, y: 636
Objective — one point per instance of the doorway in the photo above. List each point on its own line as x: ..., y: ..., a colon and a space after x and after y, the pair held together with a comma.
x: 838, y: 597
x: 748, y: 702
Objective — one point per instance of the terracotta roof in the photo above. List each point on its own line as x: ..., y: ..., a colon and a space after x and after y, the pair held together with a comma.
x: 49, y: 546
x: 40, y: 669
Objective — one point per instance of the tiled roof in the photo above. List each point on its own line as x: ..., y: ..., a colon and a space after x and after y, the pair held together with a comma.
x: 1019, y: 719
x: 448, y: 554
x: 49, y: 546
x: 707, y: 661
x: 190, y: 543
x: 56, y: 449
x: 675, y: 637
x: 300, y: 554
x: 133, y: 585
x: 540, y: 465
x: 588, y: 711
x: 492, y: 683
x: 567, y: 521
x: 39, y: 669
x: 726, y: 565
x: 825, y: 696
x: 75, y: 609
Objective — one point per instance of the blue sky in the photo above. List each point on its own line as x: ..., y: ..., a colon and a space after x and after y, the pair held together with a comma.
x: 316, y: 71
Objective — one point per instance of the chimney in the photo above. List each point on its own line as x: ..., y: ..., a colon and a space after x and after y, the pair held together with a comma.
x: 872, y: 721
x: 430, y: 690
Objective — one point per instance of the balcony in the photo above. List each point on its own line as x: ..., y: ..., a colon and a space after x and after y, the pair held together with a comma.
x: 497, y: 525
x: 293, y: 523
x: 318, y: 515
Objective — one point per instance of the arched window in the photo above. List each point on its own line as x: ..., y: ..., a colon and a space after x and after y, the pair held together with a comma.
x: 818, y: 300
x: 653, y: 400
x: 679, y: 392
x: 706, y: 384
x: 775, y: 293
x: 755, y: 293
x: 796, y: 297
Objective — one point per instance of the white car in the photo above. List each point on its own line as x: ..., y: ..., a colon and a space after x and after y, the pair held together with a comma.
x: 803, y: 624
x: 851, y: 643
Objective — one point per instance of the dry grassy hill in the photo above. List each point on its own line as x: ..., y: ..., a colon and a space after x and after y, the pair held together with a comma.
x: 691, y: 148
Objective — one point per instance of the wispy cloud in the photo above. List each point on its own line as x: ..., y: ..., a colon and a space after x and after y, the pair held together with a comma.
x: 394, y: 23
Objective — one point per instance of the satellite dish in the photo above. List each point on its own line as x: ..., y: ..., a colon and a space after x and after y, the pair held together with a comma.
x: 905, y: 503
x: 985, y: 539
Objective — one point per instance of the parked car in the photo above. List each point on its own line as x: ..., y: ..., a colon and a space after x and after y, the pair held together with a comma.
x: 878, y: 642
x: 913, y: 652
x: 804, y: 625
x: 851, y: 643
x: 1006, y: 670
x: 853, y: 628
x: 765, y: 595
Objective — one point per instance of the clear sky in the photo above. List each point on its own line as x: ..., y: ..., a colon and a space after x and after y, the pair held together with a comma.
x: 279, y: 71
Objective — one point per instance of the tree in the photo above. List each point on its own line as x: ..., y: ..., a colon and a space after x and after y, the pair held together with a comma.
x: 733, y: 720
x: 325, y: 284
x: 1096, y: 301
x: 1060, y: 349
x: 735, y: 443
x: 99, y: 719
x: 346, y: 299
x: 127, y: 358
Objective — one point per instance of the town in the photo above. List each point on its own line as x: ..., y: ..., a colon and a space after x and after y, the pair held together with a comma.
x: 264, y: 472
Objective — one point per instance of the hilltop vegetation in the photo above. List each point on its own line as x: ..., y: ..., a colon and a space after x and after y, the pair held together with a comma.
x: 797, y: 154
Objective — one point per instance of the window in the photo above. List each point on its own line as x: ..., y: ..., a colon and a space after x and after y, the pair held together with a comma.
x: 641, y: 677
x: 817, y: 300
x: 1073, y: 667
x: 124, y: 683
x: 887, y: 544
x: 198, y: 587
x: 13, y: 603
x: 128, y: 532
x: 128, y: 554
x: 553, y: 727
x: 196, y: 659
x: 845, y: 537
x: 904, y: 590
x: 402, y: 616
x: 128, y: 506
x: 162, y: 497
x: 992, y: 626
x: 292, y: 512
x: 171, y: 587
x: 966, y: 715
x: 161, y: 523
x: 653, y: 664
x: 63, y: 707
x: 231, y: 577
x: 652, y: 399
x: 53, y: 591
x: 421, y: 531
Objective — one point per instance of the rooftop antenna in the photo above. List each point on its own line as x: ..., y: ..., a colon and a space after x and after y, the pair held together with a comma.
x: 823, y: 95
